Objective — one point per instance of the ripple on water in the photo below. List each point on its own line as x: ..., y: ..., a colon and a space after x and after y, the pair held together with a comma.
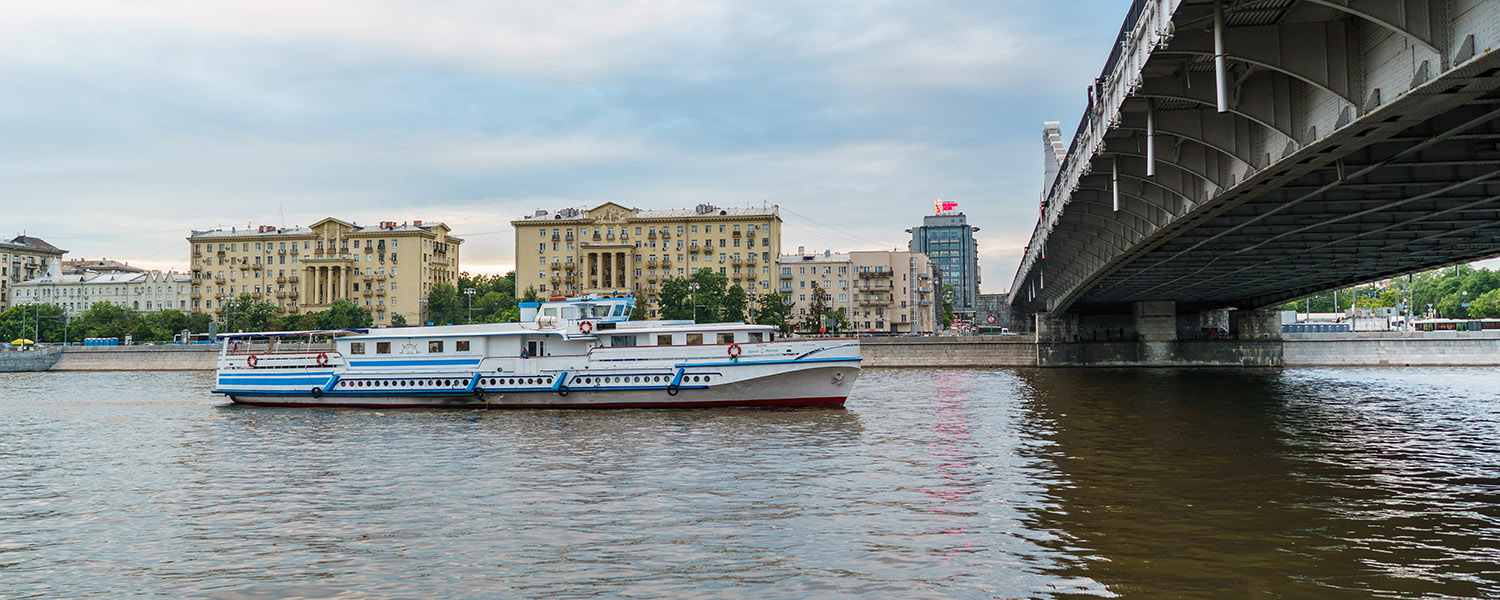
x: 931, y: 484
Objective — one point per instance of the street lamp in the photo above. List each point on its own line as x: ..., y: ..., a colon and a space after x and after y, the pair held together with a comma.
x: 422, y: 311
x: 470, y: 293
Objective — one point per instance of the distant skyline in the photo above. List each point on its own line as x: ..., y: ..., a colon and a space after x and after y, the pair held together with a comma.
x: 128, y: 124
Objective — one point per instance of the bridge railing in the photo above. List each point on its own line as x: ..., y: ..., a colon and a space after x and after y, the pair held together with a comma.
x: 1147, y: 27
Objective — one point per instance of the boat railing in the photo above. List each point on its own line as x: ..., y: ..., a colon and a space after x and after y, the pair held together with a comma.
x: 278, y: 347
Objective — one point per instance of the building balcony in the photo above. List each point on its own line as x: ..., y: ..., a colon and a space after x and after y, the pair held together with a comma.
x: 280, y: 279
x: 737, y: 233
x: 666, y: 262
x: 556, y: 237
x: 624, y: 236
x: 666, y: 235
x: 368, y: 248
x: 786, y: 275
x: 570, y: 266
x: 876, y: 274
x: 651, y: 235
x: 220, y: 253
x: 256, y: 266
x: 292, y: 278
x: 380, y: 275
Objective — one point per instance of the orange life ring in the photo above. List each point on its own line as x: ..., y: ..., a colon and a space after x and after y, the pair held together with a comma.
x: 251, y: 361
x: 734, y: 351
x: 322, y: 359
x: 586, y: 326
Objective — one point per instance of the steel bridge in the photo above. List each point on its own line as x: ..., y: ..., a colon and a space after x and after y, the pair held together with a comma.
x: 1239, y: 154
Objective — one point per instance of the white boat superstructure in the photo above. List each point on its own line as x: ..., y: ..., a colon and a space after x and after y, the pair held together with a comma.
x: 566, y: 353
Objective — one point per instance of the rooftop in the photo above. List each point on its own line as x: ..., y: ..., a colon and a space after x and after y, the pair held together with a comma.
x: 702, y: 210
x: 32, y: 243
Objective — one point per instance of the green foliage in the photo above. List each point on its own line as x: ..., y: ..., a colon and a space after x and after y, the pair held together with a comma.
x: 772, y: 309
x: 734, y: 304
x: 103, y: 319
x: 245, y: 313
x: 677, y: 298
x: 530, y: 295
x: 23, y: 322
x: 398, y: 320
x: 494, y: 299
x: 443, y: 305
x: 840, y: 319
x: 1436, y: 293
x: 948, y: 293
x: 343, y: 314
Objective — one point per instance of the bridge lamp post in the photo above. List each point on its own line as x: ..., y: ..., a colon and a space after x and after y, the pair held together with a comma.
x: 694, y: 287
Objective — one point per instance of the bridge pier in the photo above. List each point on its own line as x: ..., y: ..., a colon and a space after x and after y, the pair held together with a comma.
x: 1154, y: 334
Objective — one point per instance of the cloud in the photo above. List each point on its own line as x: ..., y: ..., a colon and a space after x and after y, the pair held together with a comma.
x: 133, y: 122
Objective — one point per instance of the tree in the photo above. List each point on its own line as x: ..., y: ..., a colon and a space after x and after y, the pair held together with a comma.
x: 343, y: 314
x: 443, y: 306
x: 817, y: 311
x: 35, y: 322
x: 773, y: 309
x: 948, y: 291
x: 530, y: 295
x: 164, y: 325
x: 398, y: 320
x: 678, y: 300
x: 103, y: 319
x: 840, y: 319
x: 245, y: 313
x: 734, y: 304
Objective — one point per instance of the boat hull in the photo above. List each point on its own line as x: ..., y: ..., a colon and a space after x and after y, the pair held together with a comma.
x: 823, y: 384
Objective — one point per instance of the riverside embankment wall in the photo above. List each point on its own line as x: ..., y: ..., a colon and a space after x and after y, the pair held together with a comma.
x: 1451, y: 348
x: 202, y: 357
x: 1392, y: 348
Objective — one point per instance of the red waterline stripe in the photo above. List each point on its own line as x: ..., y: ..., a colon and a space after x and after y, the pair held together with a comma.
x: 826, y: 401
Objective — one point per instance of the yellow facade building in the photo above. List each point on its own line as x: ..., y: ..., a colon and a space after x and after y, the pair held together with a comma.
x: 614, y: 250
x: 388, y: 268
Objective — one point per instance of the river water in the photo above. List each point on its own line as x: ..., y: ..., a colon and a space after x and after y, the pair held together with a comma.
x: 1353, y: 483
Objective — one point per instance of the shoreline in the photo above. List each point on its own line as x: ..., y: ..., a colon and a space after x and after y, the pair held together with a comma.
x: 1370, y: 349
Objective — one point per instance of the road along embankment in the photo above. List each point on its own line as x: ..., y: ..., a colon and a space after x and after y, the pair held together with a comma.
x: 199, y: 357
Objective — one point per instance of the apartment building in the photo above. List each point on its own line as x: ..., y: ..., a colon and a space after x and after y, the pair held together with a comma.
x: 614, y: 250
x: 23, y: 258
x: 140, y: 291
x: 387, y: 268
x: 880, y: 291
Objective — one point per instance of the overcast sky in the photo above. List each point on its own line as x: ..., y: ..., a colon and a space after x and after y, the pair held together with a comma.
x: 123, y: 125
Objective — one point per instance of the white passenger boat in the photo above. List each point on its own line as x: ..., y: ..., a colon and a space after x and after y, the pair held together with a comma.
x: 566, y: 353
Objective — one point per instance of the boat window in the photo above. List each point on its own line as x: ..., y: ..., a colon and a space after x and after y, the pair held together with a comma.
x: 617, y: 341
x: 534, y: 348
x: 601, y: 311
x: 435, y: 346
x: 461, y: 346
x: 569, y: 312
x: 756, y: 336
x: 726, y: 338
x: 382, y: 347
x: 356, y: 347
x: 619, y: 309
x: 550, y: 311
x: 664, y: 339
x: 695, y: 339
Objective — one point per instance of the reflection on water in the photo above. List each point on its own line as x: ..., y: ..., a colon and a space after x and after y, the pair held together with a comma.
x: 931, y: 484
x: 1248, y: 483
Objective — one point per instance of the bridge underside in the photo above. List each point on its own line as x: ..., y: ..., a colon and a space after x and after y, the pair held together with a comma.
x: 1426, y: 193
x: 1242, y: 154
